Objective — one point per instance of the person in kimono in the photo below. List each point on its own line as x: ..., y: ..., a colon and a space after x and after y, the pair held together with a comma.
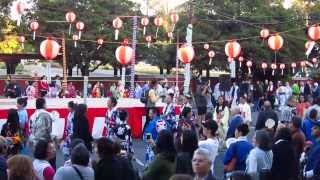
x: 245, y: 110
x: 233, y: 94
x: 111, y: 116
x: 221, y: 116
x: 68, y: 131
x: 168, y: 113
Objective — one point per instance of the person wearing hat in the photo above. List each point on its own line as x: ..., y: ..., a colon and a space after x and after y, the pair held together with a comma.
x: 313, y: 160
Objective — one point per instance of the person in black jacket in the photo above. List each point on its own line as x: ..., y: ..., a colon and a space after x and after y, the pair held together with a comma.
x: 110, y: 166
x: 81, y: 126
x: 188, y: 144
x: 266, y: 114
x: 284, y: 164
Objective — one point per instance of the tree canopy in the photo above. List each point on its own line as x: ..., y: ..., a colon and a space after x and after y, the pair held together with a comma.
x: 214, y: 21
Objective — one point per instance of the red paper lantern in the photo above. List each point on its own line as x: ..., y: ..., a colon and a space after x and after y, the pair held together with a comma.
x: 158, y: 21
x: 144, y: 22
x: 80, y: 27
x: 75, y: 38
x: 100, y: 41
x: 117, y: 24
x: 124, y: 54
x: 314, y: 60
x: 314, y: 32
x: 149, y: 39
x: 21, y: 40
x: 174, y: 18
x: 20, y: 7
x: 49, y: 49
x: 275, y: 42
x: 232, y: 49
x: 211, y: 55
x: 264, y: 66
x: 186, y: 54
x: 70, y: 17
x: 309, y: 44
x: 264, y: 33
x: 34, y: 26
x: 206, y: 46
x: 293, y: 66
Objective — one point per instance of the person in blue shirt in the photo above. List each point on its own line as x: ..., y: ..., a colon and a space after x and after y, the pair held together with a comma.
x: 155, y: 124
x: 313, y: 160
x: 235, y: 121
x: 308, y: 123
x: 239, y: 150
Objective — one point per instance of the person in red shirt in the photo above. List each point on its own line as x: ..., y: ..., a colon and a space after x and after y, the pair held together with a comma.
x: 302, y: 106
x: 43, y: 86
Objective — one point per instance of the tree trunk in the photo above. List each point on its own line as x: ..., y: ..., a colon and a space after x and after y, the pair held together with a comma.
x: 70, y: 71
x: 120, y: 71
x: 207, y: 72
x: 161, y: 70
x: 168, y: 70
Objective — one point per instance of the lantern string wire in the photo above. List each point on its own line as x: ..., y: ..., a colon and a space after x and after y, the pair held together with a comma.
x: 156, y: 43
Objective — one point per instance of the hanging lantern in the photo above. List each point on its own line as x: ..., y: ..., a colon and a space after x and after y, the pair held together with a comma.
x: 20, y: 7
x: 158, y: 21
x: 303, y: 65
x: 249, y: 65
x: 211, y: 54
x: 264, y: 66
x: 75, y: 38
x: 174, y: 19
x: 282, y: 67
x: 309, y: 44
x: 34, y: 26
x: 70, y: 18
x: 293, y: 66
x: 124, y: 55
x: 22, y: 39
x: 186, y: 53
x: 275, y: 42
x: 264, y: 33
x: 117, y: 24
x: 314, y: 60
x: 80, y: 27
x: 170, y: 36
x: 100, y: 42
x: 206, y: 46
x: 273, y: 67
x: 232, y: 49
x: 149, y: 39
x: 314, y: 32
x: 241, y: 59
x: 49, y: 49
x: 144, y: 22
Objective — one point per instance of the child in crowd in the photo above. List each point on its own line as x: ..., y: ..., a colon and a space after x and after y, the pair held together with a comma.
x: 123, y: 133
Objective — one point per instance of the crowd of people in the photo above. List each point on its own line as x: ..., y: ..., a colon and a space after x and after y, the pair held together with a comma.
x: 285, y: 145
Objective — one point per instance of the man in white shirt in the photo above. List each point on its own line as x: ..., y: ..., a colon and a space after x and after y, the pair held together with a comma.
x: 245, y: 110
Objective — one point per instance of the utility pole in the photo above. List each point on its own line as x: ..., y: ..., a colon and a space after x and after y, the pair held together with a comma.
x: 64, y: 64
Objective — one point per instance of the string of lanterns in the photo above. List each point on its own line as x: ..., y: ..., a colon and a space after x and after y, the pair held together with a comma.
x: 185, y: 53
